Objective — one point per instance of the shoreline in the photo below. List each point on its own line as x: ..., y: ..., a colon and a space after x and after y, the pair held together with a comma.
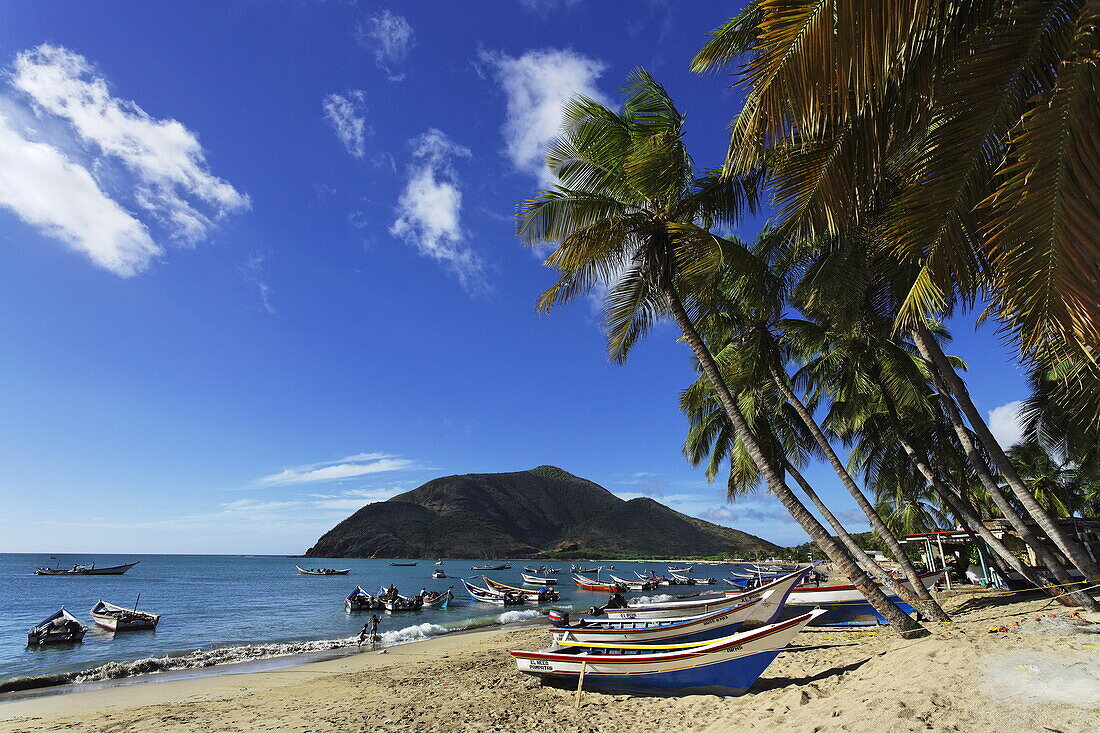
x: 46, y: 686
x: 1041, y: 671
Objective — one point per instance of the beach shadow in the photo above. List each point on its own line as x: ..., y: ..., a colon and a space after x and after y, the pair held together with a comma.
x: 775, y: 683
x: 983, y: 603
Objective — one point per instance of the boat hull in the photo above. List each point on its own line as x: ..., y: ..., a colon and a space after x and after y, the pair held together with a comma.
x: 114, y: 570
x: 726, y: 667
x: 703, y: 627
x: 844, y: 604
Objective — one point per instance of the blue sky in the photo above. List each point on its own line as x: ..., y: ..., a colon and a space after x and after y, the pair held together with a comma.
x: 257, y: 268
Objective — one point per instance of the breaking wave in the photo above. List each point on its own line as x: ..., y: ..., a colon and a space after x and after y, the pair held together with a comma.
x: 511, y: 617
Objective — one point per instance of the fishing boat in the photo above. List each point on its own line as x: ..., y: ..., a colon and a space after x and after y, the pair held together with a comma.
x: 438, y: 574
x: 686, y: 580
x: 579, y: 569
x: 60, y: 628
x: 322, y: 571
x: 688, y: 569
x: 658, y: 579
x: 726, y: 666
x: 484, y: 595
x: 433, y: 599
x: 536, y: 580
x: 704, y: 604
x: 701, y: 627
x: 598, y: 585
x: 438, y: 562
x: 845, y: 604
x: 544, y: 594
x: 491, y: 567
x: 360, y: 600
x: 86, y: 570
x: 117, y: 618
x: 541, y: 570
x: 402, y: 564
x: 635, y: 584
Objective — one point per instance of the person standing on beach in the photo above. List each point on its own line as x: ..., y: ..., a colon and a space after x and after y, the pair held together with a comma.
x: 373, y: 628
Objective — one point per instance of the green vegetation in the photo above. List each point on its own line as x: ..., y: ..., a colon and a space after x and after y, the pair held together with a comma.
x: 922, y: 159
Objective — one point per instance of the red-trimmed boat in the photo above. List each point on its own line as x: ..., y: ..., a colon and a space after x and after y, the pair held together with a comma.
x: 726, y: 666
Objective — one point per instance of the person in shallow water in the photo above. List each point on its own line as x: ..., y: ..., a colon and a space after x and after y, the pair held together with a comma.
x: 369, y: 632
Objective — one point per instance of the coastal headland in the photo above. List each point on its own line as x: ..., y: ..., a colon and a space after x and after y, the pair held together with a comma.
x: 1037, y: 670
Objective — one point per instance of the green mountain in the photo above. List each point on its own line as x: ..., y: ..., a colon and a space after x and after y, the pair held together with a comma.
x: 525, y: 514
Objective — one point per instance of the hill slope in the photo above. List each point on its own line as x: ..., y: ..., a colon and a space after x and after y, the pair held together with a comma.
x: 524, y: 514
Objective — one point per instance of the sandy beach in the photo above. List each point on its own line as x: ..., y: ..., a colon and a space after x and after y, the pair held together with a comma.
x: 1041, y: 674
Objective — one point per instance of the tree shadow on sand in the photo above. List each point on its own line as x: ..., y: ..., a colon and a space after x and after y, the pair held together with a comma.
x: 775, y: 683
x: 986, y: 602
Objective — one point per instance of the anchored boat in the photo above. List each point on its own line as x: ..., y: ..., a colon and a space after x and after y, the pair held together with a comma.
x: 117, y: 618
x: 60, y: 628
x: 322, y: 571
x: 86, y: 570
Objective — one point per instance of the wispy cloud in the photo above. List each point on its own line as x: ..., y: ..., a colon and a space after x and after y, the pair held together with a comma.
x: 1005, y: 424
x: 536, y: 85
x: 157, y: 165
x: 346, y: 115
x: 253, y: 271
x: 544, y: 7
x: 430, y: 209
x: 390, y: 37
x: 362, y: 464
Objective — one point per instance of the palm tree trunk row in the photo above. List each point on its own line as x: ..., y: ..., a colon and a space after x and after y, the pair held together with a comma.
x: 922, y: 596
x: 835, y: 551
x: 953, y: 389
x: 865, y: 561
x: 968, y: 516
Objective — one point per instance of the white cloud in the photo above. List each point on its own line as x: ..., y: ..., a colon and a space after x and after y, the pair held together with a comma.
x: 165, y: 157
x: 253, y: 271
x: 362, y: 464
x: 48, y: 191
x: 390, y: 37
x: 536, y: 85
x: 545, y: 6
x: 429, y: 210
x: 345, y: 113
x: 1004, y: 423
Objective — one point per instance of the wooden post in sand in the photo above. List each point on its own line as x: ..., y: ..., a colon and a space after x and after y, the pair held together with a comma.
x: 580, y: 684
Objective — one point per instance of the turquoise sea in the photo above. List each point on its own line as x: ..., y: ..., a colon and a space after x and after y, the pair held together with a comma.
x: 223, y: 609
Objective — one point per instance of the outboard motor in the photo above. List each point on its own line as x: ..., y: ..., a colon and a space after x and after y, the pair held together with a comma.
x: 558, y: 617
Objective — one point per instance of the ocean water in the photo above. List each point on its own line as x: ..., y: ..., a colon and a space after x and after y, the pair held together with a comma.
x: 222, y: 609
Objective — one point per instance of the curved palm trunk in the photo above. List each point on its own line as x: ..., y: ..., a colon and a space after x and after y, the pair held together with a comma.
x: 954, y: 387
x: 1044, y: 554
x: 920, y: 594
x: 964, y: 512
x: 880, y: 574
x: 905, y: 625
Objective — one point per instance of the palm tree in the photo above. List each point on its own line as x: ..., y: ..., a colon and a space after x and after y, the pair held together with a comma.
x: 746, y: 337
x: 780, y: 431
x: 965, y: 136
x: 630, y: 211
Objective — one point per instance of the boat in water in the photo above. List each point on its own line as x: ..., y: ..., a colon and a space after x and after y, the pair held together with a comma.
x: 545, y: 594
x: 117, y: 618
x: 687, y: 580
x: 486, y: 595
x: 322, y: 571
x: 638, y: 585
x: 537, y: 580
x: 726, y: 666
x: 541, y: 570
x: 686, y: 569
x: 360, y: 600
x: 60, y: 628
x: 599, y: 586
x: 402, y: 564
x: 438, y: 574
x: 491, y: 567
x: 86, y: 570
